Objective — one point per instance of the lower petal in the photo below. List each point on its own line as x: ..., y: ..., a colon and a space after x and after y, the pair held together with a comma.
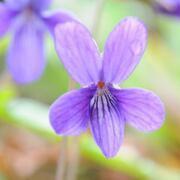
x: 69, y: 115
x: 107, y: 124
x: 26, y: 59
x: 141, y: 108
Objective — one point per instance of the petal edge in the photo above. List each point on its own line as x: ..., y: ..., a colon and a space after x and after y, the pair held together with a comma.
x: 78, y: 52
x: 26, y: 57
x: 141, y: 108
x: 123, y: 50
x: 69, y: 114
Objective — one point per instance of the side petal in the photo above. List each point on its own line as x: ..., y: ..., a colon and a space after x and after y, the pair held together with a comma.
x: 107, y: 124
x: 6, y: 17
x: 26, y: 59
x: 141, y: 108
x: 123, y: 50
x: 69, y: 115
x: 78, y: 52
x: 52, y: 19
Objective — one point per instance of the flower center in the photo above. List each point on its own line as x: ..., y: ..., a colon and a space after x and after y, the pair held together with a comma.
x: 28, y: 12
x: 100, y: 84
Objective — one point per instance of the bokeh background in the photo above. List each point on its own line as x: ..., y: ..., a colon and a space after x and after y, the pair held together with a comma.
x: 29, y: 149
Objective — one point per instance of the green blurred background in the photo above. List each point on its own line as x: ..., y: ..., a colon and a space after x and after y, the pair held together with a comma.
x: 29, y: 148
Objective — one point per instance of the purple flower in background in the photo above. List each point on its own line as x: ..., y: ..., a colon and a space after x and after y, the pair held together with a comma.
x: 100, y: 104
x: 168, y: 7
x: 28, y: 21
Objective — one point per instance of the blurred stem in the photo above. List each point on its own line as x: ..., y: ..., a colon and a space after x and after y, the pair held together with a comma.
x: 67, y: 168
x: 73, y: 164
x: 61, y: 168
x: 97, y: 17
x: 5, y: 78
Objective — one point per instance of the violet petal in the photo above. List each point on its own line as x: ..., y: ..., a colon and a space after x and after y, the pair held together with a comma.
x: 6, y: 17
x: 123, y: 50
x: 40, y: 5
x: 26, y: 59
x: 168, y: 7
x: 78, y: 52
x: 107, y: 124
x: 17, y: 4
x: 141, y: 108
x: 69, y: 114
x: 52, y: 19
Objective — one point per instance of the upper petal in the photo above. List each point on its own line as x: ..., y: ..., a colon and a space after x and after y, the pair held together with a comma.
x: 107, y: 123
x: 6, y: 17
x: 78, y: 52
x: 54, y: 18
x: 123, y: 50
x: 141, y: 108
x: 69, y: 115
x: 26, y: 59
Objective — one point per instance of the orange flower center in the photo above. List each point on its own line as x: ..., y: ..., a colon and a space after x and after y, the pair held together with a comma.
x: 101, y: 84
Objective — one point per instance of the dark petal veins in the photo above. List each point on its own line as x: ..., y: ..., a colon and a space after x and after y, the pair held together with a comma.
x: 107, y: 123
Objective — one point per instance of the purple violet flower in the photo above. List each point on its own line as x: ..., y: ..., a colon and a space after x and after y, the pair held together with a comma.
x: 99, y: 103
x: 168, y: 7
x: 29, y: 22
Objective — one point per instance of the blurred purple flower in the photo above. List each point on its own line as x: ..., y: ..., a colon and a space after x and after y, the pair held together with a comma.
x: 168, y: 7
x: 28, y: 21
x: 102, y: 105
